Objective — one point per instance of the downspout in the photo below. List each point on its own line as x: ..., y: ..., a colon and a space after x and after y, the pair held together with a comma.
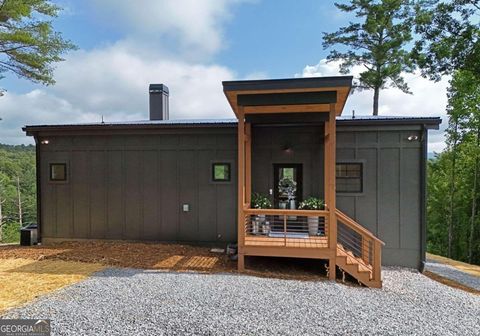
x: 423, y: 200
x: 39, y: 191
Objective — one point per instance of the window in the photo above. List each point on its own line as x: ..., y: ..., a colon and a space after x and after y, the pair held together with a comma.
x: 221, y: 172
x: 349, y: 177
x: 58, y: 171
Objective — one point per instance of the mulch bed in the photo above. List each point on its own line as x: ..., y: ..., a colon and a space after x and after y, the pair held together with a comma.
x: 163, y: 256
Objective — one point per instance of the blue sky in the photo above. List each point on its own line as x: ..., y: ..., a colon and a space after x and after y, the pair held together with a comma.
x: 191, y: 46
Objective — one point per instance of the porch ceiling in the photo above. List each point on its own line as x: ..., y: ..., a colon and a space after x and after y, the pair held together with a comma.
x: 295, y: 95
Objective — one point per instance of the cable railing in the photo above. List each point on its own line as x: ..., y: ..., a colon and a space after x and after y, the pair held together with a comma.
x: 286, y: 228
x: 359, y: 243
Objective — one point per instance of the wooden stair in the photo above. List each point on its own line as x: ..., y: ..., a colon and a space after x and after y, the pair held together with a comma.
x: 358, y: 251
x: 356, y: 267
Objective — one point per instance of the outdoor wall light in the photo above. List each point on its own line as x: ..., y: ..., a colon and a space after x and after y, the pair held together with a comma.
x: 45, y: 142
x: 412, y: 138
x: 287, y: 149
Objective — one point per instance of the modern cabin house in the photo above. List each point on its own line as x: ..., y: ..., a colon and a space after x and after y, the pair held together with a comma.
x: 192, y: 180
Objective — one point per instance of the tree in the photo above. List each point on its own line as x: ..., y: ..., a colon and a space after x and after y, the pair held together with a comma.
x: 378, y: 43
x: 29, y: 46
x: 464, y: 106
x: 449, y: 37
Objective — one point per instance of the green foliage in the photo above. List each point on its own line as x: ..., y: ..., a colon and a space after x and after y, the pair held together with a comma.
x: 29, y: 46
x: 453, y: 177
x: 378, y: 42
x: 312, y: 203
x: 260, y: 201
x: 449, y: 37
x: 17, y: 161
x: 11, y: 233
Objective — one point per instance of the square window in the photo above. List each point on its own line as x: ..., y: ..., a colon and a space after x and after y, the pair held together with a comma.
x: 221, y: 172
x: 58, y: 172
x: 349, y: 177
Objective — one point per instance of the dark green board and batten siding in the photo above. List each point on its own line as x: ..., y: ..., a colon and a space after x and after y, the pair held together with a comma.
x: 133, y: 187
x: 131, y: 183
x: 391, y: 203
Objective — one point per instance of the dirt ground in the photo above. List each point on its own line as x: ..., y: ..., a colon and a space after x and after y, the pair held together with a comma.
x: 164, y: 256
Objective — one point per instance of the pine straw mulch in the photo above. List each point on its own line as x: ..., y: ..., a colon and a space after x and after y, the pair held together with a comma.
x: 168, y: 257
x: 23, y: 280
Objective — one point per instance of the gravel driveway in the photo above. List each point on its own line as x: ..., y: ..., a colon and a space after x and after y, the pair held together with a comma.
x: 453, y: 273
x: 140, y: 302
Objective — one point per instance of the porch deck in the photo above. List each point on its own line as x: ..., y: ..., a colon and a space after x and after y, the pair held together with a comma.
x: 308, y: 242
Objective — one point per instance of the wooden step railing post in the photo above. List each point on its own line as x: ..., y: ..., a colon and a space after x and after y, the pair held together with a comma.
x: 377, y: 261
x: 285, y: 230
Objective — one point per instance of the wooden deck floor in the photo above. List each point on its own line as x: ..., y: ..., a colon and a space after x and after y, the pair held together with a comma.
x: 310, y: 242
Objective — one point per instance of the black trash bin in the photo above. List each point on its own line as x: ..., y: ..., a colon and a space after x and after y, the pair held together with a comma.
x: 28, y: 235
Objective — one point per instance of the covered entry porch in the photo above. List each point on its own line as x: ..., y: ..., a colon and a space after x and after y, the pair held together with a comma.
x: 266, y: 109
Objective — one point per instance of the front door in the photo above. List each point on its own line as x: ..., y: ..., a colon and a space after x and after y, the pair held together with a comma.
x: 287, y: 186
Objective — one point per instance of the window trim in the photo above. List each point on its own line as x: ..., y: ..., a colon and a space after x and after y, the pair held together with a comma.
x: 50, y: 177
x: 212, y: 171
x: 362, y: 178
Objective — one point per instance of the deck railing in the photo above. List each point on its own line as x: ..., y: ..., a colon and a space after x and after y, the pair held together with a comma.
x: 287, y: 228
x: 360, y: 242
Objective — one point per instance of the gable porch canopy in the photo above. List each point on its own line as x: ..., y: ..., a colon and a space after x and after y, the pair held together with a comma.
x: 294, y: 95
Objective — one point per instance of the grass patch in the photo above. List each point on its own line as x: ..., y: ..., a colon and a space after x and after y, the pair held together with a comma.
x: 23, y: 280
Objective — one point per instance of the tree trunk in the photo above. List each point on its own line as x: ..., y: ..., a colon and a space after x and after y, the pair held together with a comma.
x: 19, y: 200
x: 474, y: 201
x: 376, y: 94
x: 452, y: 191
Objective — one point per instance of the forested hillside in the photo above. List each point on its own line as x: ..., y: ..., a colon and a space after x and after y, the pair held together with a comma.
x: 17, y: 189
x: 454, y: 176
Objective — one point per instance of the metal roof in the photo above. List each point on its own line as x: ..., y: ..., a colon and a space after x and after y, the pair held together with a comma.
x: 431, y: 122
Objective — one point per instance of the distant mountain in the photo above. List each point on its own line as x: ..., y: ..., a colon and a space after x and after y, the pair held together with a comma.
x: 431, y: 155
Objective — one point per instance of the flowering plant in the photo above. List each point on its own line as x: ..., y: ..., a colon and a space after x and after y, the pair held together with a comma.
x: 312, y: 203
x: 260, y: 201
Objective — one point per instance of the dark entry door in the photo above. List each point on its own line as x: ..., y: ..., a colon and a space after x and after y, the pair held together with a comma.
x: 288, y: 182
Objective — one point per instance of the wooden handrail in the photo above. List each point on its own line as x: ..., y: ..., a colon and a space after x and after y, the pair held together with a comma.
x: 279, y: 212
x: 355, y: 226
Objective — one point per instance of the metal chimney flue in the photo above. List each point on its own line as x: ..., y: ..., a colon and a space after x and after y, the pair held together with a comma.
x: 158, y: 102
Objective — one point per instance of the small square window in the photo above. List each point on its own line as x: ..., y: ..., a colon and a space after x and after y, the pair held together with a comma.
x: 221, y: 172
x: 58, y: 172
x: 349, y: 177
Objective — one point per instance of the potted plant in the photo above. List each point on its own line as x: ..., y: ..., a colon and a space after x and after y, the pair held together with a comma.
x: 312, y: 203
x: 260, y: 201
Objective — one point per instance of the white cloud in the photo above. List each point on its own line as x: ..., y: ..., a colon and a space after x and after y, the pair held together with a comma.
x: 428, y: 99
x: 196, y: 27
x: 112, y: 80
x: 114, y: 83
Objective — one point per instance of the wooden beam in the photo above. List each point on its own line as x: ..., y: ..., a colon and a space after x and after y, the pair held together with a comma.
x: 241, y: 189
x: 287, y: 108
x: 248, y: 163
x: 329, y: 185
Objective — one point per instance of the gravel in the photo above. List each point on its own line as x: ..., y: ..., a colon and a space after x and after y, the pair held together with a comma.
x: 453, y: 273
x: 132, y: 301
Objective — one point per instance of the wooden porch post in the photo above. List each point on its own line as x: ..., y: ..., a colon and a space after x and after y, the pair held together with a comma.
x: 329, y: 182
x: 248, y: 163
x: 241, y: 190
